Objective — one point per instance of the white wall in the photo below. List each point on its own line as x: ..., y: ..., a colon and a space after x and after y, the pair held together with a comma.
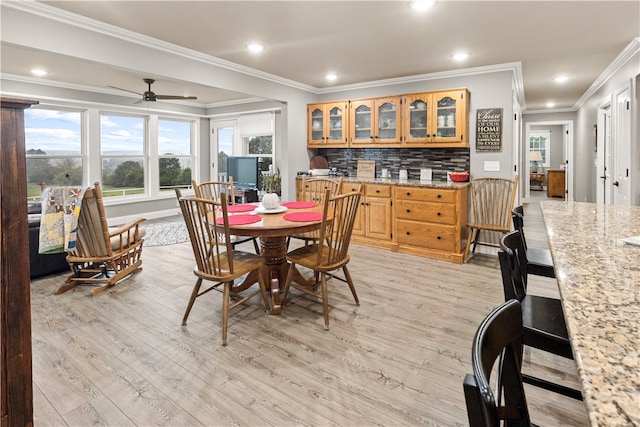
x: 586, y: 179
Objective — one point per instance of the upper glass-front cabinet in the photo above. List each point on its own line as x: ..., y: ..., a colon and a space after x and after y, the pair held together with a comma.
x: 326, y: 125
x: 429, y: 119
x: 417, y: 118
x: 449, y: 118
x: 436, y: 119
x: 375, y: 121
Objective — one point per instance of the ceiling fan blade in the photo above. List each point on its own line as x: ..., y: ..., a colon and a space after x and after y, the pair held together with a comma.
x: 126, y: 90
x: 139, y: 101
x: 175, y: 97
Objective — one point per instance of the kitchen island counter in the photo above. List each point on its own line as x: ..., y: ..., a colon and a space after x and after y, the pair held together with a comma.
x: 599, y: 282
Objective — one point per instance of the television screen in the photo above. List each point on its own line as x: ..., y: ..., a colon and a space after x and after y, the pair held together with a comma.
x: 244, y: 171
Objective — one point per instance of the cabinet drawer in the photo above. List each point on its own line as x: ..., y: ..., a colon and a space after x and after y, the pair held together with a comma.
x: 434, y: 236
x: 377, y: 190
x: 426, y: 194
x: 441, y: 213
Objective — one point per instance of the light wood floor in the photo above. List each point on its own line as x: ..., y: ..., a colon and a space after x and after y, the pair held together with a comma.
x: 399, y: 358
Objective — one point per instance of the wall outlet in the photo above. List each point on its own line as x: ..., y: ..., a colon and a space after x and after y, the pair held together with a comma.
x: 492, y: 166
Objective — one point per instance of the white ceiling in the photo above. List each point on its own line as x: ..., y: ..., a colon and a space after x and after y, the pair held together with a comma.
x: 361, y: 41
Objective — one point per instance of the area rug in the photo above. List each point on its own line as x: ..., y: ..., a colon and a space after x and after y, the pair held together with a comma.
x: 165, y: 233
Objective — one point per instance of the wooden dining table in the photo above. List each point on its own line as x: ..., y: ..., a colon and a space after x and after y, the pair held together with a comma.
x: 273, y: 230
x: 598, y: 277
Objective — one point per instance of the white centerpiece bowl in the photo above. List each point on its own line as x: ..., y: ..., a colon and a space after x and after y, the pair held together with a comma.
x: 270, y: 201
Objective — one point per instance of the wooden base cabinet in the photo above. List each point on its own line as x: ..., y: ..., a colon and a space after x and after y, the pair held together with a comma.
x: 431, y: 221
x: 555, y: 183
x: 374, y: 217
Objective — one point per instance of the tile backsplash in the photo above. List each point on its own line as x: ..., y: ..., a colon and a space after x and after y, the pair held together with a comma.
x: 439, y: 160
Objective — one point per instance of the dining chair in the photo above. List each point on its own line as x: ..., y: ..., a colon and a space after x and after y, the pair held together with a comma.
x: 492, y: 200
x: 498, y: 338
x: 314, y: 190
x: 212, y: 190
x: 217, y: 261
x: 539, y: 261
x: 330, y: 252
x: 543, y: 318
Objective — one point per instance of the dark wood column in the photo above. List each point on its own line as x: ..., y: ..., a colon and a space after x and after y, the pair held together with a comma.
x: 16, y: 393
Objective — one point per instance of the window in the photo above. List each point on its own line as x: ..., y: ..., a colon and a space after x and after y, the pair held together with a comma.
x: 122, y: 152
x: 262, y: 148
x: 174, y: 154
x: 225, y: 149
x: 256, y: 131
x: 539, y: 140
x: 53, y: 141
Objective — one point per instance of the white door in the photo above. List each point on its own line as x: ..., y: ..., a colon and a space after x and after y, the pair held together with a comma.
x: 223, y: 139
x: 621, y: 185
x: 603, y: 157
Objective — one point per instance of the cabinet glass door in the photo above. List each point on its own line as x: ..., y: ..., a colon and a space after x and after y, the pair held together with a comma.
x: 418, y: 119
x: 446, y: 118
x: 317, y: 124
x: 387, y: 121
x: 362, y: 123
x: 336, y: 124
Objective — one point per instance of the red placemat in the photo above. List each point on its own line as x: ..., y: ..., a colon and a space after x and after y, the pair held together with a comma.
x: 299, y: 205
x: 303, y: 216
x: 240, y: 219
x: 241, y: 208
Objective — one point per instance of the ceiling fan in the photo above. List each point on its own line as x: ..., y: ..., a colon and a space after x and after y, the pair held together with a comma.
x: 149, y: 95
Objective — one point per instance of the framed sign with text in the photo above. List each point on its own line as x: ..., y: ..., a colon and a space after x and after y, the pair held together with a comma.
x: 489, y: 129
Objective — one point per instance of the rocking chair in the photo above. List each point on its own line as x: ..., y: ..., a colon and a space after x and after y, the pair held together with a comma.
x: 102, y: 255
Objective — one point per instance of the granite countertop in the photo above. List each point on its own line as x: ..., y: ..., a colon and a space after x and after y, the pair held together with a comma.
x: 404, y: 182
x: 599, y: 281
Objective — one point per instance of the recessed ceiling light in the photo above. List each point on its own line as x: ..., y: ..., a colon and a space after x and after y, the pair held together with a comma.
x: 255, y: 47
x: 331, y: 77
x: 38, y: 72
x: 550, y: 104
x: 421, y: 5
x: 560, y: 79
x: 461, y: 56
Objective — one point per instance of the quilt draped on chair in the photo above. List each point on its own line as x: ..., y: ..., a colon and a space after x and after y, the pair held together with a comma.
x: 59, y: 221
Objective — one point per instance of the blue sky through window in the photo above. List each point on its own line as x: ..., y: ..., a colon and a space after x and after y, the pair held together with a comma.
x: 121, y: 135
x: 52, y: 131
x: 174, y: 137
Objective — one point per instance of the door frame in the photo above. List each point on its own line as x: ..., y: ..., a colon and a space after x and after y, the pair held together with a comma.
x: 603, y: 145
x: 568, y: 131
x: 622, y: 146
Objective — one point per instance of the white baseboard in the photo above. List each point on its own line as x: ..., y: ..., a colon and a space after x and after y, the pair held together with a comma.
x: 149, y: 215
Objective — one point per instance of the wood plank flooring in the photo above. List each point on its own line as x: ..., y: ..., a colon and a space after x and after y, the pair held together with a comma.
x: 123, y: 358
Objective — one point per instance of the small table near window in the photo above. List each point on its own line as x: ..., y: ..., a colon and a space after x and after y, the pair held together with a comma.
x: 536, y: 181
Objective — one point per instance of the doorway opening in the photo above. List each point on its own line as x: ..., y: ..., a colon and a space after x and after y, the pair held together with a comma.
x: 565, y: 163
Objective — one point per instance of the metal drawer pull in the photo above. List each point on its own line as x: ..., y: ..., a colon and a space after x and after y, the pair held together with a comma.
x: 438, y: 237
x: 439, y: 214
x: 408, y: 210
x: 439, y: 196
x: 408, y: 233
x: 408, y: 193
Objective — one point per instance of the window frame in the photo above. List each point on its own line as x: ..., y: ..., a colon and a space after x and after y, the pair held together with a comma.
x: 81, y: 156
x: 545, y: 151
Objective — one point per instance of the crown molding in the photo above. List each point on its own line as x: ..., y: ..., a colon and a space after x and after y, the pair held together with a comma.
x: 50, y: 12
x: 625, y: 56
x: 83, y: 88
x: 513, y: 67
x: 550, y: 111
